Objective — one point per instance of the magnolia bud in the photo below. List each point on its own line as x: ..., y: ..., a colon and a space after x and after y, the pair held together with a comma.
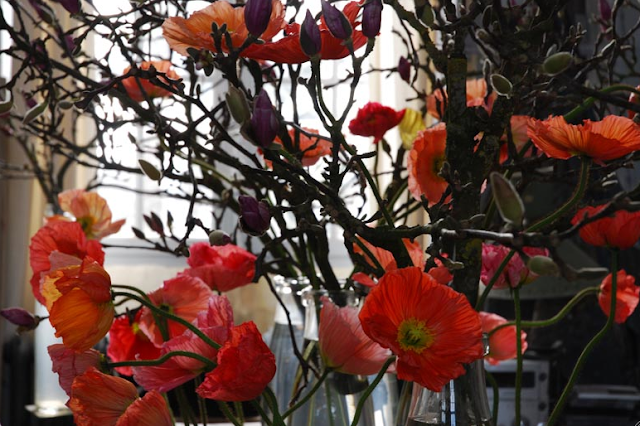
x: 238, y: 105
x: 310, y: 40
x: 71, y: 6
x: 557, y: 63
x: 605, y: 10
x: 338, y: 24
x: 35, y: 112
x: 254, y: 215
x: 150, y: 170
x: 543, y: 265
x: 219, y: 238
x: 24, y: 319
x: 257, y: 14
x: 404, y: 69
x: 501, y: 85
x: 264, y: 121
x: 371, y: 18
x: 65, y: 104
x: 507, y: 199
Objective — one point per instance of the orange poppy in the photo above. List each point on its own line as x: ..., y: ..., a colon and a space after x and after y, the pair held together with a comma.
x: 69, y: 364
x: 78, y: 298
x: 430, y: 327
x: 622, y: 230
x: 311, y: 148
x: 519, y: 125
x: 627, y: 293
x: 502, y: 343
x: 611, y: 138
x: 98, y: 399
x: 386, y: 259
x: 137, y: 91
x: 424, y: 163
x: 476, y: 96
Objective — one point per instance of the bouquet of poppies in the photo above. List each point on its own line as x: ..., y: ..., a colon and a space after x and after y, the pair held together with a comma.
x: 435, y: 202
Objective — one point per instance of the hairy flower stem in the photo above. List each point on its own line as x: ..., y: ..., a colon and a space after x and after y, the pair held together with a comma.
x: 367, y: 392
x: 152, y: 362
x: 557, y: 410
x: 228, y: 414
x: 571, y: 115
x: 518, y: 384
x: 308, y: 396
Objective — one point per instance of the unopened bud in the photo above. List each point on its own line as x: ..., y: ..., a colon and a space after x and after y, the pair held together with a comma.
x: 557, y: 63
x: 219, y: 238
x: 371, y: 18
x: 150, y: 170
x: 71, y: 6
x: 501, y: 85
x: 24, y: 319
x: 338, y: 24
x: 254, y: 215
x: 238, y: 105
x: 605, y: 10
x: 35, y: 112
x: 507, y: 199
x: 264, y: 121
x: 310, y: 39
x: 65, y: 104
x: 404, y: 69
x: 543, y: 265
x: 257, y: 14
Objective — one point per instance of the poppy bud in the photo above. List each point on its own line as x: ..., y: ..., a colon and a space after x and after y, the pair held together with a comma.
x: 338, y: 24
x: 404, y: 69
x: 371, y: 18
x: 501, y: 85
x: 238, y: 105
x: 24, y: 319
x: 507, y: 199
x: 557, y: 63
x: 254, y: 215
x: 310, y: 40
x: 219, y: 238
x: 264, y: 121
x: 257, y: 14
x: 543, y: 265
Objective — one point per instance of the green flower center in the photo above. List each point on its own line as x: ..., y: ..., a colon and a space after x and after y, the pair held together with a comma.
x: 414, y: 335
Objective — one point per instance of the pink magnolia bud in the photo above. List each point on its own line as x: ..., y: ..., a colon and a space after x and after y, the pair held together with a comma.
x: 338, y: 24
x: 24, y: 319
x: 257, y: 14
x: 254, y: 215
x: 264, y: 121
x: 605, y: 10
x: 310, y: 40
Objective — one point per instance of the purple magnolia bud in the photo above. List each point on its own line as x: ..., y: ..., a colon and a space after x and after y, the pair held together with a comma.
x: 371, y: 17
x: 264, y: 121
x: 310, y: 40
x: 404, y: 69
x: 24, y: 319
x: 338, y: 24
x: 257, y: 14
x: 71, y: 6
x: 29, y: 101
x: 605, y: 10
x: 254, y: 215
x: 44, y: 12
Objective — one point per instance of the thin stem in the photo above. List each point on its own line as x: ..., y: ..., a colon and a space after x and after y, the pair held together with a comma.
x: 228, y: 414
x: 272, y: 401
x: 495, y: 277
x: 592, y: 344
x: 239, y: 412
x: 308, y: 396
x: 496, y: 396
x: 152, y: 362
x: 518, y: 384
x: 369, y: 390
x: 202, y: 405
x: 263, y: 414
x: 590, y: 101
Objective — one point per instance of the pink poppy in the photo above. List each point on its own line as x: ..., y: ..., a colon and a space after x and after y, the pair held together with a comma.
x: 515, y: 273
x: 222, y: 268
x: 627, y: 293
x: 69, y: 364
x: 502, y: 343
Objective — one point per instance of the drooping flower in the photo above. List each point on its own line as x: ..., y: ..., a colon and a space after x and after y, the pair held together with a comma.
x: 476, y: 96
x: 430, y: 327
x: 78, y: 298
x: 627, y: 294
x: 98, y: 399
x: 411, y: 123
x: 502, y: 343
x: 222, y: 268
x: 246, y: 365
x: 91, y: 211
x: 127, y: 342
x: 622, y: 230
x: 516, y: 272
x: 69, y: 364
x: 385, y: 258
x: 184, y: 296
x: 136, y: 86
x: 309, y: 147
x: 64, y: 237
x: 424, y: 163
x: 216, y: 322
x: 343, y: 344
x: 375, y: 119
x: 611, y: 138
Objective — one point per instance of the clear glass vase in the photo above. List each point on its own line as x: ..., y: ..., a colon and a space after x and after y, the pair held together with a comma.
x: 462, y: 402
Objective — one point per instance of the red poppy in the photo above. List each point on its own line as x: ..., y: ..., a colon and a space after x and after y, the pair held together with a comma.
x: 64, y: 237
x: 78, y: 298
x: 216, y: 322
x: 476, y: 96
x: 222, y: 268
x: 246, y: 365
x: 627, y: 293
x: 98, y: 399
x: 343, y: 344
x: 430, y: 327
x: 137, y: 91
x: 127, y: 342
x: 441, y: 273
x: 516, y: 272
x: 311, y: 148
x: 622, y: 230
x: 424, y: 163
x: 502, y: 343
x: 375, y: 119
x: 611, y: 138
x: 183, y: 296
x: 69, y: 364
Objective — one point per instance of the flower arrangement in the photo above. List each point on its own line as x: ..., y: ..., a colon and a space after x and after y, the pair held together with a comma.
x: 433, y: 218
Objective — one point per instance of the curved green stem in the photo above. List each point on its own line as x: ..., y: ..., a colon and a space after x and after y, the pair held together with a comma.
x: 308, y: 396
x: 518, y: 384
x: 592, y: 344
x: 369, y: 389
x: 272, y: 401
x: 590, y: 101
x: 152, y: 362
x: 263, y: 415
x: 495, y: 277
x: 228, y: 414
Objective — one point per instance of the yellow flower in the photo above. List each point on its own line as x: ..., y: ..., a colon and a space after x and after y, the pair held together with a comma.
x: 411, y: 124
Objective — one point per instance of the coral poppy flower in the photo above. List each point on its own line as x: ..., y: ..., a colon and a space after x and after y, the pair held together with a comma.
x: 519, y: 126
x: 375, y: 119
x: 441, y: 273
x: 516, y: 273
x: 627, y: 293
x: 386, y: 259
x: 127, y: 342
x: 476, y: 96
x: 195, y: 31
x: 502, y: 343
x: 424, y: 163
x: 343, y: 344
x: 622, y: 230
x: 137, y: 91
x: 222, y: 268
x: 216, y: 322
x: 69, y: 364
x: 311, y: 148
x: 78, y: 298
x: 64, y: 237
x: 183, y: 296
x: 430, y: 327
x: 611, y: 138
x: 91, y: 212
x: 246, y: 365
x: 98, y: 399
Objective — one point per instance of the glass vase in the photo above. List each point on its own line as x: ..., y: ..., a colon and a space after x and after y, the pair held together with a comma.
x: 462, y: 402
